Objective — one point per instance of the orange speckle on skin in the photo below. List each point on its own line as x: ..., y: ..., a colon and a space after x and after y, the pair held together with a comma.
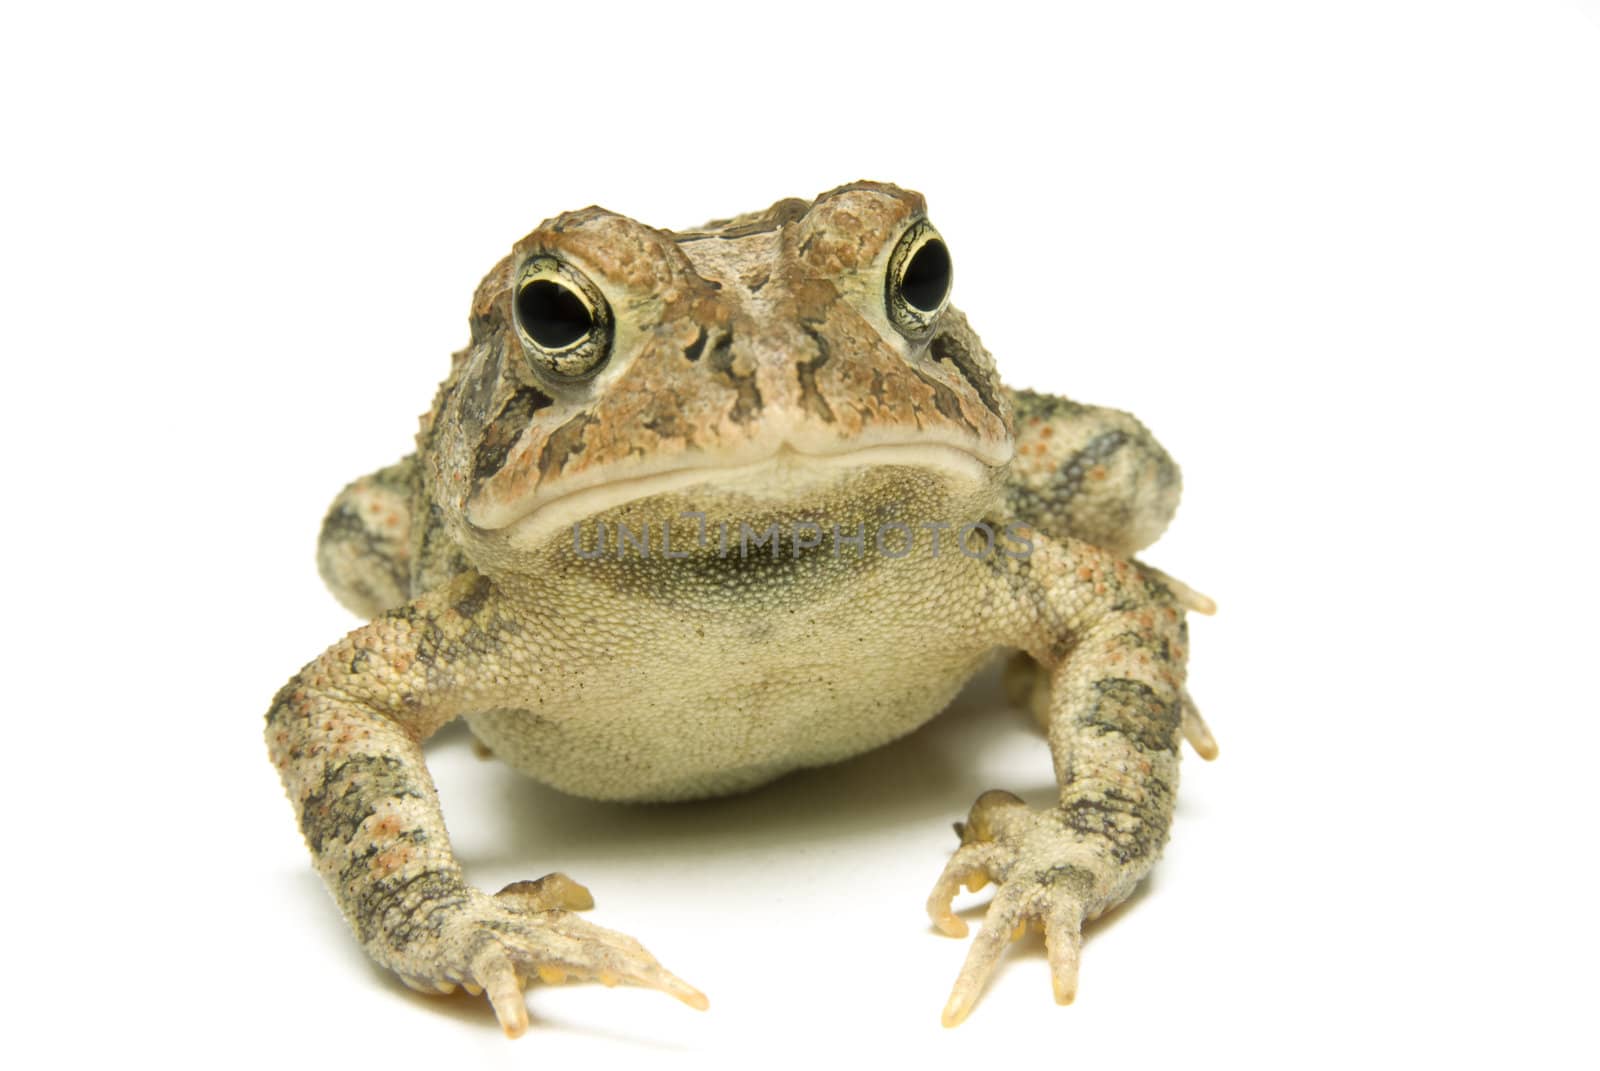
x: 1098, y: 472
x: 387, y: 862
x: 1085, y: 573
x: 1046, y: 431
x: 386, y: 827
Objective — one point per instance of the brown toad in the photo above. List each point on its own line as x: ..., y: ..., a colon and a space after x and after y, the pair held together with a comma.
x: 695, y: 509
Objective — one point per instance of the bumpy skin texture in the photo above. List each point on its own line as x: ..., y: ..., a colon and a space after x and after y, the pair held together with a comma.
x: 765, y: 373
x: 1090, y: 473
x: 364, y: 552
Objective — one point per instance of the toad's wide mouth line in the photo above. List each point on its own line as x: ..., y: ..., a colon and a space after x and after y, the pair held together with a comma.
x: 544, y: 513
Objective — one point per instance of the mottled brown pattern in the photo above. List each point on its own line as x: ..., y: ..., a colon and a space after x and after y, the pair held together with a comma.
x: 364, y: 552
x: 759, y: 298
x: 754, y: 377
x: 1089, y: 472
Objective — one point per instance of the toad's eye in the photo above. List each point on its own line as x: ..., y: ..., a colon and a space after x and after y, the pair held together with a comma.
x: 562, y: 317
x: 918, y: 283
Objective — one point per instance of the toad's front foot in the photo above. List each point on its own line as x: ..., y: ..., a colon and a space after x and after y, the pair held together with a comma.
x: 496, y: 944
x: 1045, y: 871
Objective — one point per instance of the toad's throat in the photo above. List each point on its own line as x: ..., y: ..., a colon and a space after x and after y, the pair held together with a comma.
x: 783, y: 474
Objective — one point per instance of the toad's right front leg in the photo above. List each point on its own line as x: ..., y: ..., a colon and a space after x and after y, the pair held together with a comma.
x: 345, y: 735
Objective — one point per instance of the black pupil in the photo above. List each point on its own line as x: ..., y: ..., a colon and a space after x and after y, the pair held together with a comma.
x: 927, y: 278
x: 552, y: 315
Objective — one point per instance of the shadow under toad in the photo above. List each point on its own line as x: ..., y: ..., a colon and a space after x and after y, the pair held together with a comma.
x: 931, y: 775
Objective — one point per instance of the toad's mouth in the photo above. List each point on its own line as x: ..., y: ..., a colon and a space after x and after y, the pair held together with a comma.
x: 784, y: 474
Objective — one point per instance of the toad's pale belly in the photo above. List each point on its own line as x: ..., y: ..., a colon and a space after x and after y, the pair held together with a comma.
x: 733, y: 734
x: 672, y: 678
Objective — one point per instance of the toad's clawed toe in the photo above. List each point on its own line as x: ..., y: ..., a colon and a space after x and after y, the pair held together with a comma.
x: 1043, y: 875
x: 497, y: 945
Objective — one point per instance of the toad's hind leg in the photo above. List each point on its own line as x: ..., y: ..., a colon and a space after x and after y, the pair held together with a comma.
x: 364, y: 551
x: 1089, y: 473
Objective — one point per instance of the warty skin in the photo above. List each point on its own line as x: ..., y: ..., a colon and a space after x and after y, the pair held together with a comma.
x: 774, y: 369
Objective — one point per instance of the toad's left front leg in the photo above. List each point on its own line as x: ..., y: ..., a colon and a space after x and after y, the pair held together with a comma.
x: 1114, y: 644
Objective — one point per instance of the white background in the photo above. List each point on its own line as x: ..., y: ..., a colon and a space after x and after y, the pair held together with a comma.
x: 1343, y: 258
